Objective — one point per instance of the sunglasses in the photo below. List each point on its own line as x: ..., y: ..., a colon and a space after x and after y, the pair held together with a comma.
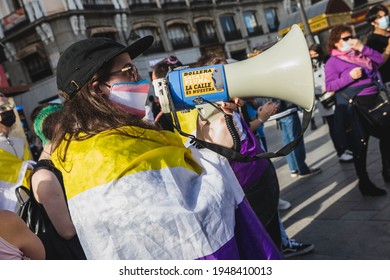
x: 347, y: 38
x: 130, y: 71
x: 7, y: 106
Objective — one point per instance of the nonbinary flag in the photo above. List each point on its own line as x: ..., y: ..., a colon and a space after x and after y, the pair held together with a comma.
x: 13, y: 173
x: 143, y: 195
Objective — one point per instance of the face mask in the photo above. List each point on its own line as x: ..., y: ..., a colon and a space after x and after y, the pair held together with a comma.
x: 383, y: 23
x: 8, y: 118
x: 345, y: 47
x: 130, y: 96
x: 314, y: 60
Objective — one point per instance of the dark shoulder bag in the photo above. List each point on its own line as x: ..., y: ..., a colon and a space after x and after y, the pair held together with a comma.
x: 376, y: 112
x: 36, y: 218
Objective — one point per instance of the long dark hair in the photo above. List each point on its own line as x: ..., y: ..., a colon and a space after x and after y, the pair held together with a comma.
x: 87, y: 113
x: 322, y: 57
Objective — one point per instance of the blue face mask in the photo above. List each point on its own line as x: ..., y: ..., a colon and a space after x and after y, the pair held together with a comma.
x: 383, y: 23
x: 130, y: 96
x: 345, y: 47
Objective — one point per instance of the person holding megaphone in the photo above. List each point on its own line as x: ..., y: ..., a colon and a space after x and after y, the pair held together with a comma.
x: 134, y: 191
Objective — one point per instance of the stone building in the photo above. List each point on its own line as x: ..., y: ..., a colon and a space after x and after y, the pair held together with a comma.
x: 33, y: 34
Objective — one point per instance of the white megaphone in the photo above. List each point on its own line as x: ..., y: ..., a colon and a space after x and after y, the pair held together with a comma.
x: 284, y: 71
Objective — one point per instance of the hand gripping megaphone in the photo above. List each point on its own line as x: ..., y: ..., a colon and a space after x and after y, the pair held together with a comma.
x: 284, y: 72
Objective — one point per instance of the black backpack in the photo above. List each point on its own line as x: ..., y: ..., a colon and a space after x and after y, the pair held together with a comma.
x: 36, y: 218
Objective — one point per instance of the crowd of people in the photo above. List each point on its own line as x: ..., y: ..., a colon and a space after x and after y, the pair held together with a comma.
x: 117, y: 181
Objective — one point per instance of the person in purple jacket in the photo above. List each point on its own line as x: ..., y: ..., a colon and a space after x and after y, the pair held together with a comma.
x: 351, y: 71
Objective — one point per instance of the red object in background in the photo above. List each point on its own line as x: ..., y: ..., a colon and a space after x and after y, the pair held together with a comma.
x: 3, y: 78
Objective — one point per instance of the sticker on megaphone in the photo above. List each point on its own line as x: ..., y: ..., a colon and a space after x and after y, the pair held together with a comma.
x: 188, y: 85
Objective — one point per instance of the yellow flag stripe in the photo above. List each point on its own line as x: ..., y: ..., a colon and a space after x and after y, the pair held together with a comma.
x: 109, y: 156
x: 9, y: 167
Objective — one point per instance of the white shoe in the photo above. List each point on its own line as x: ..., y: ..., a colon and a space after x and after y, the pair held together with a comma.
x: 283, y: 204
x: 346, y: 157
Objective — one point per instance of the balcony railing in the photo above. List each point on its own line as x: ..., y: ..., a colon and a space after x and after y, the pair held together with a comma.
x: 181, y: 43
x: 157, y: 47
x: 16, y: 18
x: 173, y: 4
x: 194, y: 3
x: 256, y: 32
x: 225, y: 1
x: 234, y: 35
x: 208, y: 40
x: 151, y: 4
x: 96, y: 5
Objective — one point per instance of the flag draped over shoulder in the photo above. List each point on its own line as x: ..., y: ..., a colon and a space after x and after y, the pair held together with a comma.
x: 149, y: 197
x: 13, y: 173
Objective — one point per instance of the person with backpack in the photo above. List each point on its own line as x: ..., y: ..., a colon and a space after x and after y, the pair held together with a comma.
x: 60, y: 238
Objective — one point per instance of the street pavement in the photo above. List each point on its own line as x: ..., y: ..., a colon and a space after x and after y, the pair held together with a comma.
x: 328, y: 209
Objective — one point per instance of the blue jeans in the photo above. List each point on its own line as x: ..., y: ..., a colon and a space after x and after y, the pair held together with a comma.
x: 283, y: 233
x: 290, y: 127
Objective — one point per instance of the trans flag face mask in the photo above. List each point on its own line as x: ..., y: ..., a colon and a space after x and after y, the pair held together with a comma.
x: 130, y: 96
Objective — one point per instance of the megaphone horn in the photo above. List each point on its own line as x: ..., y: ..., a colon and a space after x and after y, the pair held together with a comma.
x: 284, y: 71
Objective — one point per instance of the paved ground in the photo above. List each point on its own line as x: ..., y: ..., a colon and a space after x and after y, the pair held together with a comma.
x: 328, y: 209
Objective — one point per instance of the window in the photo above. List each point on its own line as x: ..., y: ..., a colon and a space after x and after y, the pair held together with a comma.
x: 206, y: 32
x: 251, y: 24
x: 229, y: 28
x: 272, y: 19
x: 157, y: 45
x: 38, y: 67
x: 179, y: 36
x: 14, y: 4
x: 294, y: 8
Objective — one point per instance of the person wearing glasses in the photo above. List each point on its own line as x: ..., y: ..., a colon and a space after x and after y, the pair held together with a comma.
x: 351, y: 71
x: 134, y: 191
x: 15, y: 156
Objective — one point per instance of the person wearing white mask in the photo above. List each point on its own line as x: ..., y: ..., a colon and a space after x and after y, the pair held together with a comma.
x: 351, y: 72
x: 379, y: 39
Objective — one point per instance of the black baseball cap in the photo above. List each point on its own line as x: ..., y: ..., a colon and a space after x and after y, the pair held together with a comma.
x: 81, y: 60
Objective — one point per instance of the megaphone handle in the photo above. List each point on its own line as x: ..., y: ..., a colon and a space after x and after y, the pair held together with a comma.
x: 285, y: 150
x: 233, y: 132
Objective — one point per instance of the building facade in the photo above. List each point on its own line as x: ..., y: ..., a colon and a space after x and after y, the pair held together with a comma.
x: 33, y: 33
